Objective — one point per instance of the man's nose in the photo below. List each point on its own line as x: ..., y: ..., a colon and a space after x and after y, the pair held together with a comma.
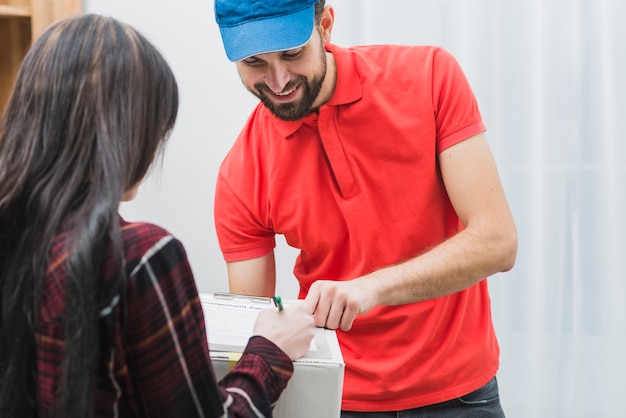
x: 277, y: 78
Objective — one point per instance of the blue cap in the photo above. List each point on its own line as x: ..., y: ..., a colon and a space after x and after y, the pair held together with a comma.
x: 260, y: 26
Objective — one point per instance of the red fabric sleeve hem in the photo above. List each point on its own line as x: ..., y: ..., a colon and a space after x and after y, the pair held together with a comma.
x: 239, y: 255
x: 461, y: 135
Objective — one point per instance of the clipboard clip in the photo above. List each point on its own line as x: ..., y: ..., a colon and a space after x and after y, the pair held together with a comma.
x: 234, y: 296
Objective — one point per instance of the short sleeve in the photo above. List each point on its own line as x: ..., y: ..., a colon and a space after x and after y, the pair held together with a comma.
x: 240, y: 234
x: 457, y: 115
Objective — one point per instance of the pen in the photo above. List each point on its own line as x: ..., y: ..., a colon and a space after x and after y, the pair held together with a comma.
x: 278, y: 302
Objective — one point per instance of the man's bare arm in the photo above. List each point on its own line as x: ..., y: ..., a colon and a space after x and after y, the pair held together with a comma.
x: 256, y: 276
x: 487, y: 245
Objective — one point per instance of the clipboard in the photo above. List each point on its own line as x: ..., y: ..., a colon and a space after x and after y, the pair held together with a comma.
x: 230, y: 320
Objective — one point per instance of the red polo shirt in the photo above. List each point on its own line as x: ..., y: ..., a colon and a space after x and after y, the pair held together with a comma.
x: 357, y: 187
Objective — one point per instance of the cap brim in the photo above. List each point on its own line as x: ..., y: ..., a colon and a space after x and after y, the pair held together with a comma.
x: 268, y: 35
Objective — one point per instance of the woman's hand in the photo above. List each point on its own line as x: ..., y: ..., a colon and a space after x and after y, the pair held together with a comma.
x: 291, y: 329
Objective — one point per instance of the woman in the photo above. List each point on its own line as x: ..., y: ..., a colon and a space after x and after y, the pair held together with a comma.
x: 101, y: 317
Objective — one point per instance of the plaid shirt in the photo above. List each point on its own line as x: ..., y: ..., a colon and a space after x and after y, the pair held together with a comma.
x: 154, y: 358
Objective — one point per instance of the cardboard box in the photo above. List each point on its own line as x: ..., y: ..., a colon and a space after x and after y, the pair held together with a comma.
x: 314, y: 391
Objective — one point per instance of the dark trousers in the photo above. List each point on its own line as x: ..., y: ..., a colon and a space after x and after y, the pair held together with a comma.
x: 482, y: 403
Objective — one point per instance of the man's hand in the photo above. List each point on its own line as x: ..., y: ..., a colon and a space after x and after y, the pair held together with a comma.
x: 336, y: 304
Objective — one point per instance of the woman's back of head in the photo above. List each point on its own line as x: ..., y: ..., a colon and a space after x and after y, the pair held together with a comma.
x: 91, y: 91
x: 92, y: 105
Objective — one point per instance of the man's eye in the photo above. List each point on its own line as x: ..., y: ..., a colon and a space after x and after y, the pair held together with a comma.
x: 252, y: 62
x: 292, y: 55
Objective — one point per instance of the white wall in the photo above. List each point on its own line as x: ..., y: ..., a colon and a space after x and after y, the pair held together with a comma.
x: 213, y: 107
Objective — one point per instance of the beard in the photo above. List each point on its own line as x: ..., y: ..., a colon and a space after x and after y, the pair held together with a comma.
x: 296, y: 109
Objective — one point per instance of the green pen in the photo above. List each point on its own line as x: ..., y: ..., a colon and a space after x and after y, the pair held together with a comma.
x: 278, y: 302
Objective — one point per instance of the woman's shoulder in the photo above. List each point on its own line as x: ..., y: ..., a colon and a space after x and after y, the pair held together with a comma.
x: 143, y: 239
x: 142, y: 229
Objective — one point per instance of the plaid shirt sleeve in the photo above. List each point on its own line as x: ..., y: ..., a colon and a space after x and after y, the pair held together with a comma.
x: 166, y: 346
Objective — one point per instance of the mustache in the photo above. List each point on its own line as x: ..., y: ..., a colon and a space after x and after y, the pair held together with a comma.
x: 263, y: 88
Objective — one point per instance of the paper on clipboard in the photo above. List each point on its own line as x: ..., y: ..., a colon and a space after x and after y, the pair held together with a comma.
x: 230, y: 322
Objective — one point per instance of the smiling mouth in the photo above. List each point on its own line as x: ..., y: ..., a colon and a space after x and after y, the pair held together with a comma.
x: 286, y: 92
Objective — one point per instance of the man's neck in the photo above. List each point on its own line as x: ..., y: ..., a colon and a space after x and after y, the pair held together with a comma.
x: 329, y: 84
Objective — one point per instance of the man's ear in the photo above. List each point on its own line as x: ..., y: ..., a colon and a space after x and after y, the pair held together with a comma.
x: 326, y: 23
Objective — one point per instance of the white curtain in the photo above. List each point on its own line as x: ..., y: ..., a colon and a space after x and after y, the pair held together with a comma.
x: 550, y: 78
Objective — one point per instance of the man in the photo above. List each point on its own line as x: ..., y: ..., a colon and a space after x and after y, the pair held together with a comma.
x: 372, y: 161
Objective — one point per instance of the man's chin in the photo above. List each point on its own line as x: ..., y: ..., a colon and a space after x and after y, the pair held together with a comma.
x: 288, y: 117
x: 284, y: 112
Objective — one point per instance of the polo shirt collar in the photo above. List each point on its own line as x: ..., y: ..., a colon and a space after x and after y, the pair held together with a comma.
x: 347, y: 90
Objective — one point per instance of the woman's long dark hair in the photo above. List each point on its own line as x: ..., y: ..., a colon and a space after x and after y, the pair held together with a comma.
x: 93, y: 104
